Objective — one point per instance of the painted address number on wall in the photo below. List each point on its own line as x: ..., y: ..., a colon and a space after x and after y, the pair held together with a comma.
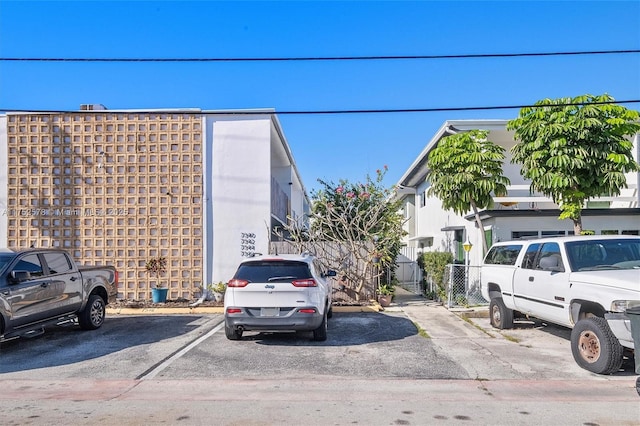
x: 247, y: 244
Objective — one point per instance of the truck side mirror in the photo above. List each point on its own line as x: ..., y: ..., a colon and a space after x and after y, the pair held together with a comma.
x: 330, y: 273
x: 19, y: 276
x: 551, y: 263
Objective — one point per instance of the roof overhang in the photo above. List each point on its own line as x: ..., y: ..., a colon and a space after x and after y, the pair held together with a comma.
x: 417, y: 172
x: 421, y: 238
x: 488, y: 214
x: 452, y: 228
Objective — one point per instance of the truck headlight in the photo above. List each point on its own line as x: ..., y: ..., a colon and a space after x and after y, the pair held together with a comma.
x: 623, y: 305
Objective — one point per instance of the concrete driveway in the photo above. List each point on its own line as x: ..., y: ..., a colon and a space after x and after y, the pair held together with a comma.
x: 531, y: 350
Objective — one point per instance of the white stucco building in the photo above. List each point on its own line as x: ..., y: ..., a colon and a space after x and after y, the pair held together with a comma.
x: 252, y: 185
x: 519, y: 214
x: 202, y: 188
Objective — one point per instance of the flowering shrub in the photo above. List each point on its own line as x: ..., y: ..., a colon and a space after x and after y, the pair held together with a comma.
x: 362, y: 219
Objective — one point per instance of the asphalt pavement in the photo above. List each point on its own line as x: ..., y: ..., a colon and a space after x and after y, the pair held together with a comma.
x: 184, y: 374
x: 532, y: 350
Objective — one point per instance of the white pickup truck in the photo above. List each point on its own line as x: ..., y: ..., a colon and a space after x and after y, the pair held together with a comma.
x: 585, y: 283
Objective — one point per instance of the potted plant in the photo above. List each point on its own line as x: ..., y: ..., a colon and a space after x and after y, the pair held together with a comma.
x: 215, y: 291
x: 157, y: 266
x: 385, y: 294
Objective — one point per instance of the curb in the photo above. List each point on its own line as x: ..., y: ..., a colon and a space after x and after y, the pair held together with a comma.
x: 471, y: 313
x: 216, y: 310
x: 165, y: 311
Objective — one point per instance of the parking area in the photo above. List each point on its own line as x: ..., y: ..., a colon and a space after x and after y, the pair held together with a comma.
x: 412, y: 364
x: 417, y: 341
x: 192, y: 346
x: 124, y: 347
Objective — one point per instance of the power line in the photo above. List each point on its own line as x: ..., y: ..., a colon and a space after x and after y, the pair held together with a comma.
x: 328, y: 58
x: 316, y: 112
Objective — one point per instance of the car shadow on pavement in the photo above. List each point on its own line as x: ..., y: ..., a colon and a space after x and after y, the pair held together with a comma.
x: 555, y: 330
x: 346, y: 329
x: 63, y: 345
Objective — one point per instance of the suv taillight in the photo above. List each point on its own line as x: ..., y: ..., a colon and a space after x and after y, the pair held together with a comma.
x: 237, y: 283
x: 309, y: 282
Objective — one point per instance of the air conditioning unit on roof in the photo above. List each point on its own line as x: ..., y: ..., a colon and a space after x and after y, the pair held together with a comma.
x: 92, y: 107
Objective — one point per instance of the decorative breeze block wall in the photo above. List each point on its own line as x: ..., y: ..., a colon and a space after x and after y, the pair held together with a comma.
x: 111, y: 188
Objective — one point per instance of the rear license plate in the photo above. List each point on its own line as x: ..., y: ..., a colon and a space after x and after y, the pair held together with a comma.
x: 269, y: 312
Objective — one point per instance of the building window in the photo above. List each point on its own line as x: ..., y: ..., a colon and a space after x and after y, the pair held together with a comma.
x: 598, y: 204
x: 524, y: 235
x: 553, y: 233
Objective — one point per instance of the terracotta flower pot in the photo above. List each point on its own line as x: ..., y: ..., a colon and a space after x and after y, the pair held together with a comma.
x: 385, y: 299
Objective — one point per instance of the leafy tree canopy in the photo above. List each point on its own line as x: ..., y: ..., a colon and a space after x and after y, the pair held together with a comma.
x: 574, y: 149
x: 464, y: 170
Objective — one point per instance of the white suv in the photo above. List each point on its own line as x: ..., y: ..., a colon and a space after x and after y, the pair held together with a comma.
x: 278, y: 293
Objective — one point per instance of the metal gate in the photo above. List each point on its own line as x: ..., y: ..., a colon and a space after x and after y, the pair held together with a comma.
x: 463, y: 286
x: 408, y: 272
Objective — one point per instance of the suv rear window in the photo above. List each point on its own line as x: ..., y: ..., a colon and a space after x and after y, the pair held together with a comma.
x: 272, y: 271
x: 503, y: 255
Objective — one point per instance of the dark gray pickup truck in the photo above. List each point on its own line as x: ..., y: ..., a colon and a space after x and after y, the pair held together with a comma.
x: 40, y: 287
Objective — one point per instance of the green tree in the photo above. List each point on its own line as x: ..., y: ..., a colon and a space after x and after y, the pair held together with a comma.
x: 574, y: 149
x: 355, y: 225
x: 156, y: 266
x: 464, y: 170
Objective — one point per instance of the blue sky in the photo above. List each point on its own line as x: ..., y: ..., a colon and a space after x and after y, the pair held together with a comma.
x: 330, y: 147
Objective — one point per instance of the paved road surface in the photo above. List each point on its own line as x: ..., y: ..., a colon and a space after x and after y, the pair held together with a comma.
x: 322, y: 401
x: 373, y: 370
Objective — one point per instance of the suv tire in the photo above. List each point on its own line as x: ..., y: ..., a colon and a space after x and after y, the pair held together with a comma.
x: 320, y: 333
x: 231, y: 333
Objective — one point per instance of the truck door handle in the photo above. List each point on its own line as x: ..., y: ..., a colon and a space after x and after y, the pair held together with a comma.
x: 6, y: 292
x: 531, y: 279
x: 73, y: 278
x: 45, y: 284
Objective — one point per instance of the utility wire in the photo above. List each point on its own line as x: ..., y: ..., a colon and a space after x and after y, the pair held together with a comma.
x: 312, y: 112
x: 328, y: 58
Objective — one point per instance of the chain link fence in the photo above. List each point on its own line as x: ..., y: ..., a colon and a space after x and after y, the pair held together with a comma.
x: 463, y: 286
x: 407, y: 271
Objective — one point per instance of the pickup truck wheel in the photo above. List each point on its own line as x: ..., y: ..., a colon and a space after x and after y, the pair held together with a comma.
x: 594, y: 346
x: 92, y: 316
x: 500, y: 316
x: 320, y: 333
x: 231, y: 333
x: 330, y: 313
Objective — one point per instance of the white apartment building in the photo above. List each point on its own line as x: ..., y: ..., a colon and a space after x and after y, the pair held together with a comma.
x: 519, y: 214
x: 202, y: 188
